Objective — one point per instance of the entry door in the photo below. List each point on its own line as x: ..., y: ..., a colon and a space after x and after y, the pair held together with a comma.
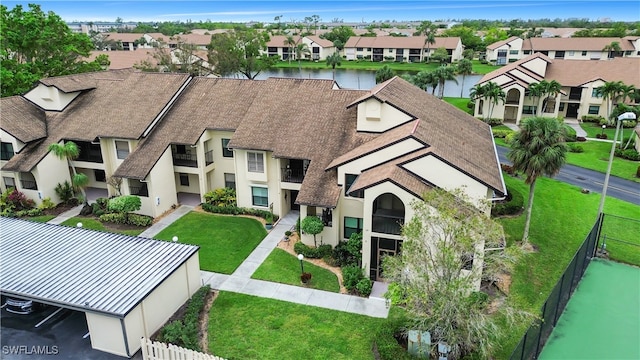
x: 381, y: 254
x: 572, y: 110
x: 294, y: 195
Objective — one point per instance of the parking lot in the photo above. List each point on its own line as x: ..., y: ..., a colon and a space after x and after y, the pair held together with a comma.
x: 51, y: 332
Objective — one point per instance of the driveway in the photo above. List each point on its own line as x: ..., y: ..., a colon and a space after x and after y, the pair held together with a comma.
x: 60, y: 337
x: 619, y: 188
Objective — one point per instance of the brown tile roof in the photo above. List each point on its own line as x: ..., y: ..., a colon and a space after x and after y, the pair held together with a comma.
x: 278, y: 40
x: 576, y: 72
x: 125, y: 59
x: 124, y: 37
x: 575, y: 44
x: 22, y: 119
x: 454, y: 136
x: 394, y: 172
x: 497, y: 44
x: 196, y: 39
x: 321, y: 42
x: 216, y: 104
x: 410, y: 42
x: 113, y: 109
x: 580, y: 72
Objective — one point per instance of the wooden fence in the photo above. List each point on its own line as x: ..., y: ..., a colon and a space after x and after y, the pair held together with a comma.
x: 154, y: 350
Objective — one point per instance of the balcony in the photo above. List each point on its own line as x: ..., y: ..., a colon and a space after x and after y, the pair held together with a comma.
x: 387, y: 222
x: 141, y: 190
x: 184, y: 156
x: 292, y: 175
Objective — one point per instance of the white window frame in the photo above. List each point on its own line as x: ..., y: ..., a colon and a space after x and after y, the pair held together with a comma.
x: 253, y: 202
x: 256, y: 164
x: 119, y: 150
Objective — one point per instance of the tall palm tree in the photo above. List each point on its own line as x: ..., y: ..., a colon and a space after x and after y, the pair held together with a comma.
x: 290, y: 42
x: 612, y: 49
x: 610, y: 92
x: 69, y: 151
x: 464, y: 67
x: 334, y: 60
x: 442, y: 74
x: 494, y: 93
x: 537, y: 149
x: 477, y: 92
x: 551, y: 89
x: 302, y: 49
x: 384, y: 73
x: 428, y: 30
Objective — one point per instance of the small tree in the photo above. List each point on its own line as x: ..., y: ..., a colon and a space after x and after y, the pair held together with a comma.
x: 440, y: 55
x: 334, y: 60
x: 384, y: 73
x: 312, y: 225
x: 124, y: 205
x: 437, y: 287
x: 69, y: 151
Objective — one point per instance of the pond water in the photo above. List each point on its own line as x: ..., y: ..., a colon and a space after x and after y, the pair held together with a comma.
x: 364, y: 79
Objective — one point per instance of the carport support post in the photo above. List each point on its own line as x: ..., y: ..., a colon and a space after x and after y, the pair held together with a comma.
x: 124, y: 336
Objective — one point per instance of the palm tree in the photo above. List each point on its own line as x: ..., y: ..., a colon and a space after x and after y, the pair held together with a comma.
x: 464, y: 68
x: 384, y: 73
x: 334, y: 60
x: 290, y: 42
x: 69, y: 151
x: 428, y: 30
x: 302, y: 49
x: 535, y: 92
x: 442, y: 74
x: 537, y: 149
x: 551, y: 89
x: 477, y: 92
x: 494, y: 93
x: 612, y: 49
x: 425, y: 79
x: 610, y: 92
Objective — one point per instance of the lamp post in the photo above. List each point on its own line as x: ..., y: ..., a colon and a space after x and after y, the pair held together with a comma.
x: 626, y: 116
x: 175, y: 239
x: 301, y: 257
x: 603, y: 127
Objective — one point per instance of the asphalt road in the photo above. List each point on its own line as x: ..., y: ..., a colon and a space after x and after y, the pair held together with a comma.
x: 619, y: 188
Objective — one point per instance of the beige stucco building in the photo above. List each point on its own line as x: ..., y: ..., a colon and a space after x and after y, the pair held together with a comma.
x: 400, y: 49
x: 579, y: 80
x: 354, y: 158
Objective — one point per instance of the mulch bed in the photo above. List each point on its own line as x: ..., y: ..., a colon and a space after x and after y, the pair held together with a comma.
x: 59, y: 209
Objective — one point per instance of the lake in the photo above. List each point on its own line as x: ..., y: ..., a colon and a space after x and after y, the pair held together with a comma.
x: 364, y: 79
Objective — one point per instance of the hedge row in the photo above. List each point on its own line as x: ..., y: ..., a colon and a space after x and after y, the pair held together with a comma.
x: 235, y: 210
x: 185, y: 332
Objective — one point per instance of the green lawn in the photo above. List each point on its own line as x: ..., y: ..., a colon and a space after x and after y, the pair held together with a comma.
x: 562, y: 217
x: 596, y: 157
x: 225, y: 241
x: 93, y: 224
x: 594, y: 129
x: 460, y: 103
x: 41, y: 218
x: 282, y: 267
x: 248, y: 327
x: 375, y: 65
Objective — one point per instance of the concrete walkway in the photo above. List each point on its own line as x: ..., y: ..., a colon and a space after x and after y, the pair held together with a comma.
x: 575, y: 124
x: 154, y: 229
x: 240, y: 281
x: 511, y: 126
x: 66, y: 215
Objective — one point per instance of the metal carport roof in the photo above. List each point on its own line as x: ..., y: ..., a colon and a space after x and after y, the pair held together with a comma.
x: 82, y: 269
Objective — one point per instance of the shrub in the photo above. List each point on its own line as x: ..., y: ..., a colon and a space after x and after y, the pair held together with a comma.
x: 638, y: 172
x: 604, y: 121
x: 287, y: 233
x: 575, y: 148
x: 117, y: 218
x: 64, y: 191
x: 234, y: 210
x: 508, y: 169
x: 512, y: 205
x: 364, y: 287
x: 629, y: 123
x: 484, y: 61
x: 569, y: 134
x: 581, y: 138
x: 221, y: 197
x: 97, y: 210
x: 305, y: 277
x: 312, y: 225
x: 493, y: 121
x: 629, y: 154
x: 16, y: 200
x: 471, y: 105
x: 501, y: 134
x: 592, y: 118
x: 601, y: 136
x: 140, y: 220
x: 312, y: 253
x: 351, y: 276
x: 46, y: 204
x: 185, y: 332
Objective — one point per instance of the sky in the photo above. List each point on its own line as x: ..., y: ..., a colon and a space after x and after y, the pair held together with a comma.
x: 347, y: 10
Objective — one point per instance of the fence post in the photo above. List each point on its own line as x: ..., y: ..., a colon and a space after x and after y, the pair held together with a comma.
x: 524, y: 344
x: 555, y: 315
x: 544, y: 309
x: 599, y: 221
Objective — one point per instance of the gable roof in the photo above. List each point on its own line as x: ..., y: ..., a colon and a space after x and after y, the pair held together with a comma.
x: 22, y: 119
x: 113, y: 110
x: 518, y: 66
x: 320, y: 41
x: 497, y: 44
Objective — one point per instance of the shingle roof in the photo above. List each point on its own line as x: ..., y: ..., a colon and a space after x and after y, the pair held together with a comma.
x: 124, y: 37
x: 460, y: 139
x: 113, y: 110
x: 278, y: 40
x: 125, y: 59
x: 575, y: 44
x: 320, y: 41
x: 497, y: 44
x: 84, y: 269
x: 410, y: 42
x: 22, y: 119
x: 517, y: 65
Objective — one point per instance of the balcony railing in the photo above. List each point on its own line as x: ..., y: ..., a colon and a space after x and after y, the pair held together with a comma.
x: 29, y: 184
x: 190, y: 160
x: 139, y: 190
x: 514, y: 101
x: 387, y: 221
x: 292, y: 175
x: 208, y: 157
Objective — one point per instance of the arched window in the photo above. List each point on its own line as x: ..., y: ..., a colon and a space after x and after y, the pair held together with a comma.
x: 388, y: 214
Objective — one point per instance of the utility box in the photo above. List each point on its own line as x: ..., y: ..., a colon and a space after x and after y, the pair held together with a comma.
x: 419, y: 343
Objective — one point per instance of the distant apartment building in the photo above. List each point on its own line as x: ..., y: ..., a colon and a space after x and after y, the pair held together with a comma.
x: 400, y: 49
